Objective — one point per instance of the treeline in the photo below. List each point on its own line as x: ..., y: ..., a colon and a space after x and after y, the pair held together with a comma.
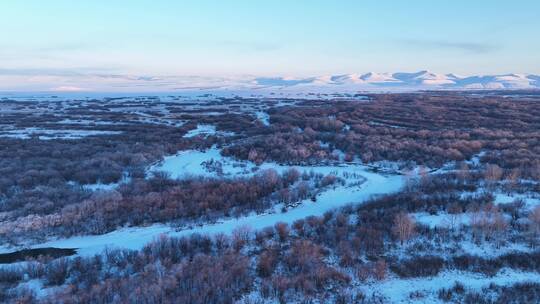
x: 161, y: 199
x: 427, y: 129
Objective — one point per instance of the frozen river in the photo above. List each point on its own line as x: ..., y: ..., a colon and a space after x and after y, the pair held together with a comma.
x: 360, y: 185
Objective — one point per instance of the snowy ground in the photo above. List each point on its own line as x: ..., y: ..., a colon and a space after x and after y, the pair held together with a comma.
x: 38, y: 288
x: 48, y: 134
x: 504, y: 198
x: 423, y: 290
x: 442, y: 220
x: 398, y: 290
x: 87, y: 122
x: 530, y: 200
x: 191, y: 162
x: 99, y: 186
x: 206, y: 130
x: 263, y: 117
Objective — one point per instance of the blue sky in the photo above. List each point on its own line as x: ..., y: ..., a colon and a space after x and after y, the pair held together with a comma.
x: 60, y: 38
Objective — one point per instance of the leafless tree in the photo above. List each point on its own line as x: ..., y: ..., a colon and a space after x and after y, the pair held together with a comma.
x: 240, y: 236
x: 282, y: 230
x: 534, y: 225
x: 454, y: 212
x: 379, y: 270
x: 404, y: 227
x: 512, y: 180
x: 463, y: 172
x: 493, y: 174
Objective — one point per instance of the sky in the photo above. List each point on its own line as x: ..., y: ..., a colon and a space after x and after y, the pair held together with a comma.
x: 51, y: 43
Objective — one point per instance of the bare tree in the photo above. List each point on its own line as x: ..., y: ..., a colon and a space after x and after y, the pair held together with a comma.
x: 512, y: 180
x: 464, y: 171
x: 240, y: 236
x: 534, y: 225
x: 404, y: 227
x: 454, y: 212
x: 499, y: 226
x: 489, y: 222
x: 493, y: 174
x: 379, y: 270
x: 282, y: 230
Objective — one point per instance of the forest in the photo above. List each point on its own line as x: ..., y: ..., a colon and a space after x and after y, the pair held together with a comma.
x: 468, y: 209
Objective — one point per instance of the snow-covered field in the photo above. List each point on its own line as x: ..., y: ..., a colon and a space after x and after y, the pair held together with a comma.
x: 399, y: 290
x: 206, y: 130
x: 442, y: 220
x: 360, y: 184
x: 49, y: 134
x: 530, y: 199
x: 191, y: 163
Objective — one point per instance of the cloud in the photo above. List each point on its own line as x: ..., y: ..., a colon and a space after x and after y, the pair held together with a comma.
x: 129, y: 77
x: 71, y: 72
x: 37, y: 72
x: 68, y: 89
x: 471, y: 47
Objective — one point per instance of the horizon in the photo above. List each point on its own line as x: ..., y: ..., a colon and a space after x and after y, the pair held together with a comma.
x: 368, y: 83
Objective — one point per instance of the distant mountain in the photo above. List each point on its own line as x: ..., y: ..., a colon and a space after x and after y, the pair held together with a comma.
x: 284, y: 86
x: 423, y: 80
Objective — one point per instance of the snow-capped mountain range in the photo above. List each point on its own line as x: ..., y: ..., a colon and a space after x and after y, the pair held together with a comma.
x: 402, y: 81
x: 253, y: 85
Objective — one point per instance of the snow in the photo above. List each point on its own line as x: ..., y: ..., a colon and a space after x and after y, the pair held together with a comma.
x: 531, y: 199
x: 206, y: 130
x: 86, y: 122
x: 475, y: 160
x: 397, y: 290
x: 442, y: 220
x: 503, y: 198
x: 100, y: 186
x: 399, y: 81
x: 107, y: 187
x: 49, y: 134
x: 201, y: 130
x: 489, y: 249
x: 374, y: 123
x: 188, y: 163
x: 192, y: 88
x: 263, y: 117
x: 378, y: 78
x: 159, y: 121
x: 38, y: 288
x: 126, y: 238
x: 191, y: 163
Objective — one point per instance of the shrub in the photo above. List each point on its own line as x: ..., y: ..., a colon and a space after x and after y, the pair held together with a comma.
x: 423, y: 266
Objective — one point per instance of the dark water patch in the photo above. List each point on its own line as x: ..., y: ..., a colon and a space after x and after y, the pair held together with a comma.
x: 26, y: 254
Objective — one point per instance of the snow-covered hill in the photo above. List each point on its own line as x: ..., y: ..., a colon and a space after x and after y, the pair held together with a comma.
x: 399, y: 81
x: 256, y: 85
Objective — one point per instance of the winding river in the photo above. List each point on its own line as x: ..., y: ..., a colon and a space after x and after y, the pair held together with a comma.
x: 361, y: 184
